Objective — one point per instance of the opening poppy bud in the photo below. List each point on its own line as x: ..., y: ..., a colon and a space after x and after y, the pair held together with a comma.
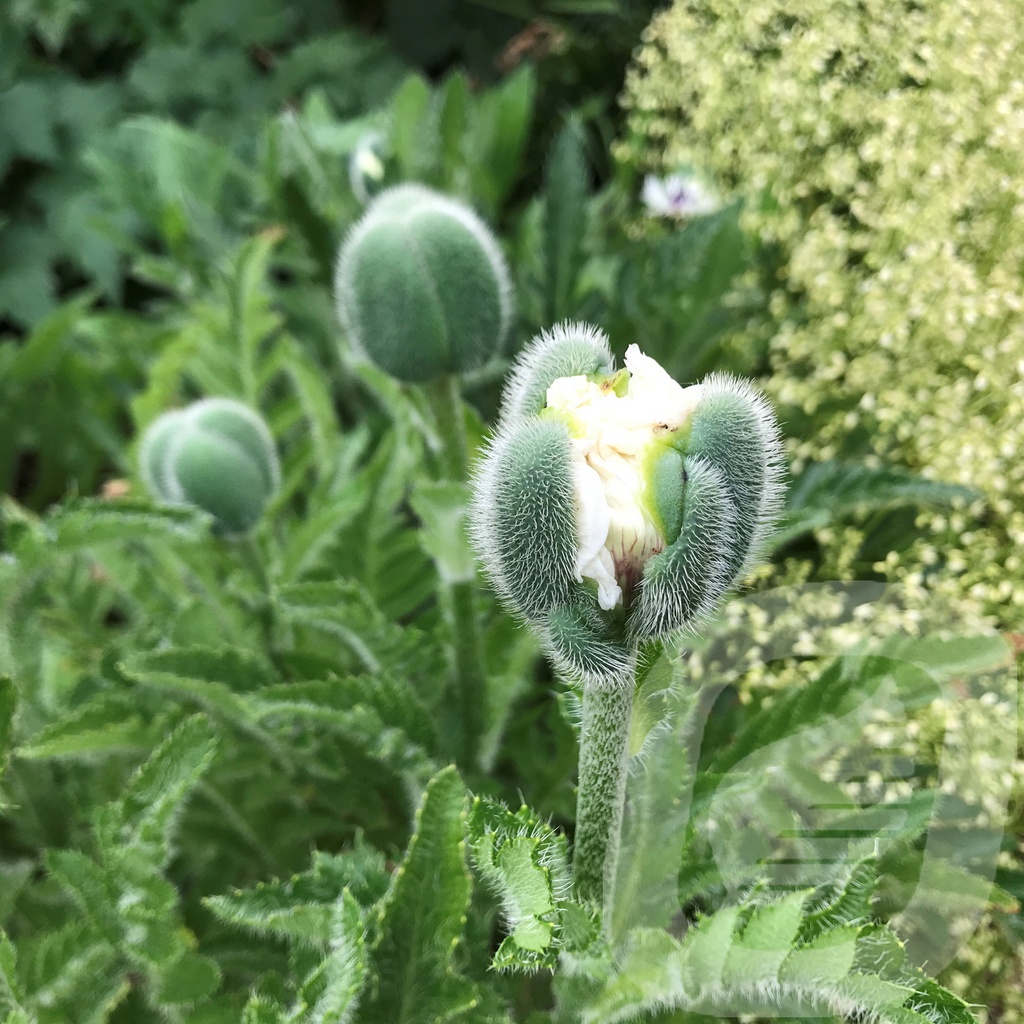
x: 621, y: 426
x: 622, y: 506
x: 421, y: 286
x: 216, y: 454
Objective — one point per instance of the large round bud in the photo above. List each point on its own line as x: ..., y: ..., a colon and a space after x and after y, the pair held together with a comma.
x: 421, y: 286
x: 216, y: 454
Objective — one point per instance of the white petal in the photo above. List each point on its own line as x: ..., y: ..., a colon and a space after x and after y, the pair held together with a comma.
x: 594, y: 514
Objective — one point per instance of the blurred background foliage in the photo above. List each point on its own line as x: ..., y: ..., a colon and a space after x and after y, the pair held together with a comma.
x: 130, y: 131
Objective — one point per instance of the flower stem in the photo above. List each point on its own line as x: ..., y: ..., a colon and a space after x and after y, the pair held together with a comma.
x: 459, y: 596
x: 601, y: 796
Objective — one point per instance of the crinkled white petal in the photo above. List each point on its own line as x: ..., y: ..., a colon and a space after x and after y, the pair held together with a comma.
x: 593, y: 559
x: 611, y: 435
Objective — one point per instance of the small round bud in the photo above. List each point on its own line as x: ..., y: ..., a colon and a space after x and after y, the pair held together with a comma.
x: 218, y: 455
x: 421, y: 286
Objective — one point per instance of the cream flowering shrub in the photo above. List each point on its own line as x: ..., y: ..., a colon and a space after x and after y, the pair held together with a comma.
x: 881, y: 149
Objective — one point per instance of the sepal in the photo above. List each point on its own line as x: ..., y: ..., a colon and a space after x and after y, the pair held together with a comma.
x: 583, y: 643
x: 682, y: 585
x: 735, y: 430
x: 523, y: 517
x: 569, y: 349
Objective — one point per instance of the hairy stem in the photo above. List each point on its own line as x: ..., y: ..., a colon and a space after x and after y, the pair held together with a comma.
x: 604, y: 745
x: 458, y: 596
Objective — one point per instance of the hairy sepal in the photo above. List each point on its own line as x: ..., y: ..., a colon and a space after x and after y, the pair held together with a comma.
x: 735, y: 429
x: 524, y: 517
x: 682, y: 586
x: 568, y: 349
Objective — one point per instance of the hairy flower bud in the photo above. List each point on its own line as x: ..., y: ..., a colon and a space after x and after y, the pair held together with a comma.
x: 421, y: 286
x: 614, y: 507
x: 216, y: 454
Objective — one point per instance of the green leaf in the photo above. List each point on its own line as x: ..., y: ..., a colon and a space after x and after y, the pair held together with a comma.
x: 109, y: 723
x: 441, y: 508
x: 344, y: 969
x: 525, y: 863
x: 827, y: 959
x: 829, y: 491
x: 218, y: 671
x: 94, y: 521
x: 10, y: 987
x: 188, y: 979
x: 758, y: 951
x: 303, y: 908
x: 706, y: 950
x: 410, y: 138
x: 658, y: 791
x: 8, y: 703
x: 89, y: 887
x: 154, y: 795
x: 565, y: 198
x: 419, y: 922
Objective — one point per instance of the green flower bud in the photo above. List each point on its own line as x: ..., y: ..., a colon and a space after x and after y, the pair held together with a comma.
x: 616, y: 507
x: 218, y: 455
x: 421, y: 286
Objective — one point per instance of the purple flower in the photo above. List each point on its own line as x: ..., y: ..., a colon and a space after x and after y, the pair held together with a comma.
x: 678, y: 195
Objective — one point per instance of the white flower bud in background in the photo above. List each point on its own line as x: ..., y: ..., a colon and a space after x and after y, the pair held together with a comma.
x: 367, y: 166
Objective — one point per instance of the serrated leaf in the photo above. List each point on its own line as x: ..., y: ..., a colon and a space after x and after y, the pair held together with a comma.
x: 8, y: 703
x: 344, y: 968
x: 827, y: 959
x: 658, y: 789
x: 827, y: 491
x: 219, y: 670
x: 845, y: 903
x: 525, y: 864
x: 109, y: 723
x: 86, y: 883
x: 302, y: 908
x: 758, y: 951
x: 95, y: 521
x: 345, y: 612
x: 10, y: 987
x: 706, y: 950
x: 419, y: 922
x: 155, y: 794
